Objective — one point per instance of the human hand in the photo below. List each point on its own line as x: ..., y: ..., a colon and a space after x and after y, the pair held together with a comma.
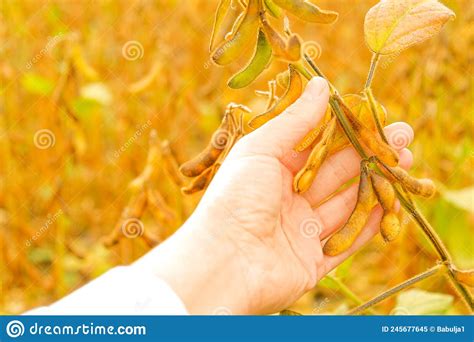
x: 253, y: 245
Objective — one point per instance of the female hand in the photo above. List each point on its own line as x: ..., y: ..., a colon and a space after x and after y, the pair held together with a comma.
x: 252, y: 245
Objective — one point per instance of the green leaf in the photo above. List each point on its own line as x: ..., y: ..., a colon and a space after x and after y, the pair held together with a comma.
x: 329, y: 283
x: 258, y: 63
x: 37, y: 84
x: 394, y: 25
x: 419, y: 302
x: 463, y: 199
x: 342, y: 271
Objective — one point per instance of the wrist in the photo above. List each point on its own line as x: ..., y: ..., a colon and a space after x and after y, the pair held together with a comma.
x: 202, y: 268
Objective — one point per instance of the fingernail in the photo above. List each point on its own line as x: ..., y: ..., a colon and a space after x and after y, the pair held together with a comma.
x: 315, y: 88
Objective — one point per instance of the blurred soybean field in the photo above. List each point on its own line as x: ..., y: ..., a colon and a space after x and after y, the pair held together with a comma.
x: 84, y: 82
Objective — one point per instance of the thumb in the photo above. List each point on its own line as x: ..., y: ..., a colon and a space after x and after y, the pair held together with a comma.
x: 282, y: 133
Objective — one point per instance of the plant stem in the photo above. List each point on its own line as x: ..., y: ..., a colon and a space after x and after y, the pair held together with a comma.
x: 337, y: 109
x: 395, y: 289
x: 373, y: 109
x: 439, y: 247
x: 313, y: 66
x: 300, y: 67
x: 426, y: 227
x: 346, y: 126
x: 373, y: 66
x: 347, y: 291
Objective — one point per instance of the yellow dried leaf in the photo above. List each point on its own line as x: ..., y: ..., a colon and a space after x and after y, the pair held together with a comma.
x: 394, y: 25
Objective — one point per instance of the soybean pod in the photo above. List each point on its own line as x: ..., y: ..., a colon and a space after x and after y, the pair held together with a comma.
x: 366, y: 200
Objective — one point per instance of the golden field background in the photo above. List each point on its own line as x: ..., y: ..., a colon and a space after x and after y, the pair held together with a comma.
x: 71, y: 142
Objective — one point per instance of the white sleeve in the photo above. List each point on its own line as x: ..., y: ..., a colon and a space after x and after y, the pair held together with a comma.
x: 124, y: 290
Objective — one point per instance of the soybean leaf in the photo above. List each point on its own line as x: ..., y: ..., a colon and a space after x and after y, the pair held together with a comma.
x: 221, y: 11
x: 307, y: 11
x: 463, y: 199
x: 258, y: 63
x: 419, y: 302
x: 329, y: 283
x: 394, y: 25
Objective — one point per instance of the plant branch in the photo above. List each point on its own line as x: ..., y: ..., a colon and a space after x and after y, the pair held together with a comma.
x: 337, y: 110
x: 373, y: 66
x: 373, y: 109
x: 347, y: 291
x: 407, y: 283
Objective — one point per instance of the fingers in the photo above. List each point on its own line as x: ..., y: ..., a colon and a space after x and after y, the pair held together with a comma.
x: 344, y: 165
x: 344, y: 202
x: 371, y: 229
x: 278, y: 136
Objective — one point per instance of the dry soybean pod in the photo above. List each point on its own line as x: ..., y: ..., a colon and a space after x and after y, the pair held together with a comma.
x: 345, y: 237
x: 305, y: 177
x: 289, y: 50
x: 313, y: 136
x: 129, y: 218
x: 227, y: 51
x: 221, y: 11
x: 258, y: 63
x: 306, y: 11
x: 170, y: 164
x: 210, y: 154
x: 292, y: 93
x: 424, y: 187
x: 200, y: 182
x: 370, y: 139
x: 359, y: 107
x: 151, y: 162
x: 390, y: 225
x: 235, y: 26
x: 158, y: 206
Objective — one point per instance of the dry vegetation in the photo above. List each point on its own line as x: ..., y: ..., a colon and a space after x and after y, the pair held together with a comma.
x: 78, y: 158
